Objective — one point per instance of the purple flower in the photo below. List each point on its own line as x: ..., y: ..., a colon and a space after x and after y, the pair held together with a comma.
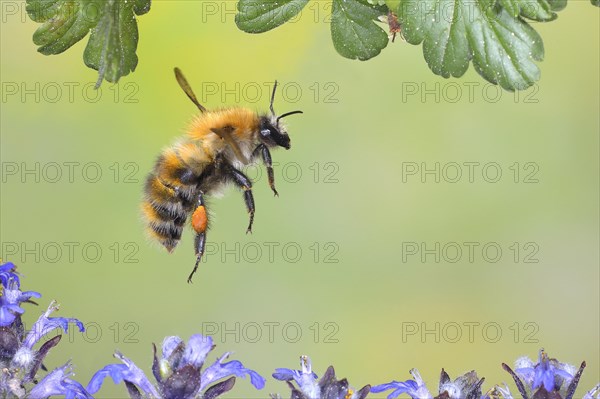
x: 219, y: 370
x: 328, y: 387
x: 548, y: 377
x: 46, y: 324
x: 305, y: 378
x: 415, y: 388
x: 12, y: 297
x: 19, y: 361
x: 127, y: 371
x: 58, y: 382
x: 7, y: 272
x: 178, y: 373
x: 466, y: 386
x: 544, y: 372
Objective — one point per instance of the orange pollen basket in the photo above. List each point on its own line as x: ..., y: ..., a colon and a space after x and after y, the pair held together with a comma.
x: 199, y: 219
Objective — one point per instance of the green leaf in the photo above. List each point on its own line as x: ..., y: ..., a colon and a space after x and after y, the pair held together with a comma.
x: 257, y: 16
x: 141, y: 7
x: 454, y: 32
x: 557, y: 5
x: 353, y: 30
x: 113, y: 41
x: 537, y: 10
x: 595, y: 3
x: 64, y: 23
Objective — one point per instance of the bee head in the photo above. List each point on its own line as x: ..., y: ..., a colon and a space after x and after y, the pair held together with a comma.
x: 272, y: 133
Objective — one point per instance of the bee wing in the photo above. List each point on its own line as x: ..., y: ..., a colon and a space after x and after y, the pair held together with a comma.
x: 225, y: 134
x: 187, y: 89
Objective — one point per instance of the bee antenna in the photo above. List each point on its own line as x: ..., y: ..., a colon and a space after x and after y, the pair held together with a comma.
x: 288, y: 114
x: 273, y: 98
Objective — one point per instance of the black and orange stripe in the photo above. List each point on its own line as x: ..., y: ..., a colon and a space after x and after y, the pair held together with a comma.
x: 170, y: 192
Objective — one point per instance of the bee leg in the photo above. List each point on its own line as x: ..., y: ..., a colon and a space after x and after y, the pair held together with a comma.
x: 199, y: 243
x: 243, y: 182
x: 199, y: 224
x: 249, y: 200
x: 266, y: 157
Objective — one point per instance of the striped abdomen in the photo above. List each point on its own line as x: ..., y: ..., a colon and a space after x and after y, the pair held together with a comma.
x: 170, y: 193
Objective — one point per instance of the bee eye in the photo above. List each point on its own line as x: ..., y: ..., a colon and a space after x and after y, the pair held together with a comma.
x: 265, y: 132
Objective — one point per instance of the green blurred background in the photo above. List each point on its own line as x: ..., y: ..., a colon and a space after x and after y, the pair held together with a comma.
x: 351, y: 203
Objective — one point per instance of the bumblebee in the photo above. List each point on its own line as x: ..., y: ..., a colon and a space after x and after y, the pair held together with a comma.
x: 219, y: 143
